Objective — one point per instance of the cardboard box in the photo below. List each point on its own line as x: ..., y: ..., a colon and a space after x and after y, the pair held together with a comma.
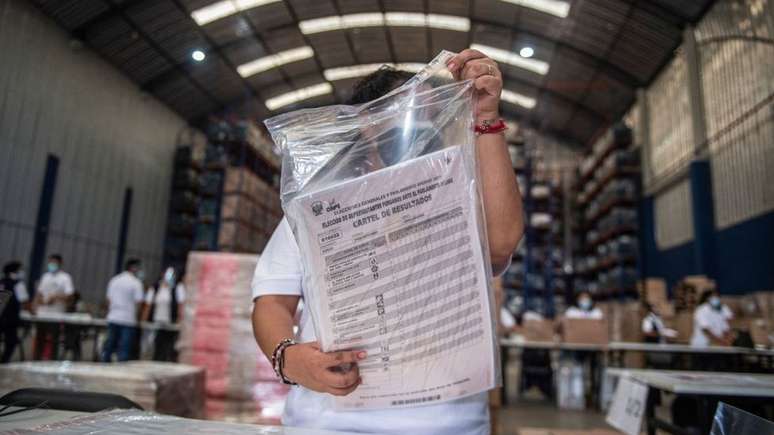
x: 585, y: 331
x: 760, y: 332
x: 538, y: 330
x: 665, y: 309
x: 683, y: 324
x: 653, y: 290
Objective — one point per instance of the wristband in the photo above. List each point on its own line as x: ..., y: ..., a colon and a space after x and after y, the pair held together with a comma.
x: 489, y: 127
x: 278, y: 360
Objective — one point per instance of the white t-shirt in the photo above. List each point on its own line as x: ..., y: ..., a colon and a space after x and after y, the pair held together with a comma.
x: 706, y: 317
x: 163, y: 300
x: 279, y: 273
x: 577, y: 313
x: 20, y: 290
x: 506, y: 318
x: 652, y: 323
x: 58, y: 283
x: 124, y: 292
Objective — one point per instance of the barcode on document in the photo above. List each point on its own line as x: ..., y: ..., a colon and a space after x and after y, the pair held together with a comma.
x: 417, y: 400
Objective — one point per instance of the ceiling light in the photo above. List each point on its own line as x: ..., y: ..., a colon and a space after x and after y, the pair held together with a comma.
x: 448, y: 22
x: 405, y: 19
x: 518, y: 99
x: 410, y: 67
x: 299, y: 95
x: 526, y: 52
x: 554, y: 7
x: 198, y: 55
x: 505, y: 56
x: 225, y: 8
x: 348, y: 72
x: 275, y: 60
x: 397, y: 19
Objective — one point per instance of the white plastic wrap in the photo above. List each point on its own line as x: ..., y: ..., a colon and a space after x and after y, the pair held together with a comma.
x: 134, y: 422
x: 730, y: 420
x: 384, y: 202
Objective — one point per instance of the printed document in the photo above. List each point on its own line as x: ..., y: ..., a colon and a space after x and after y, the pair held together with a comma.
x: 395, y: 261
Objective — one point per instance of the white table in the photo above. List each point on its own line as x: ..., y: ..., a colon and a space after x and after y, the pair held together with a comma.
x: 706, y: 386
x: 86, y: 321
x: 135, y: 421
x: 617, y: 349
x: 596, y: 351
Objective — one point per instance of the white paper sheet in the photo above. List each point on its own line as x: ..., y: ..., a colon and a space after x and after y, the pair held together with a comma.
x: 397, y: 269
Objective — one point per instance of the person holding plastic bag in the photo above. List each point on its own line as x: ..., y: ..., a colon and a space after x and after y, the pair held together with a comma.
x: 277, y: 283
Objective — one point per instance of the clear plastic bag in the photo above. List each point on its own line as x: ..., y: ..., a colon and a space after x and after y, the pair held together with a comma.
x: 384, y: 202
x: 731, y: 420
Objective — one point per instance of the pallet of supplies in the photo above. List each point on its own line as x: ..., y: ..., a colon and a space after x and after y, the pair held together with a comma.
x: 217, y: 335
x: 167, y: 388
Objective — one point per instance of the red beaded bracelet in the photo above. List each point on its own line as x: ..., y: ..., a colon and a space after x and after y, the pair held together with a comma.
x: 489, y: 127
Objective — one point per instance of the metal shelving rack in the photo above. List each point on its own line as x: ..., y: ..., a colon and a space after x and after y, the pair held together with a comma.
x: 606, y: 201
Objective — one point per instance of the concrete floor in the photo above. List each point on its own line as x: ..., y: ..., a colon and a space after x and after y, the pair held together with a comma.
x: 539, y: 413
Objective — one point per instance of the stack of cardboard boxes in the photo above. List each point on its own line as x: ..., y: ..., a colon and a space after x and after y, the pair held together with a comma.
x: 217, y: 335
x: 250, y: 210
x: 752, y: 313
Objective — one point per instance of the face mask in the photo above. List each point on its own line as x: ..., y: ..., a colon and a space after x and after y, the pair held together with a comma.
x: 18, y: 275
x: 52, y: 267
x: 140, y: 275
x: 585, y: 304
x: 715, y: 302
x: 169, y: 276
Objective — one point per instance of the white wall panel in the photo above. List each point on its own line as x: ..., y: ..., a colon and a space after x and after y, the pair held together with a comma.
x: 671, y: 135
x: 737, y: 58
x: 108, y: 136
x: 673, y: 216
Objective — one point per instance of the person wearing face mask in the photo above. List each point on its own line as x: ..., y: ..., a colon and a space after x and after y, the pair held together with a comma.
x: 13, y: 281
x: 124, y: 295
x: 52, y: 297
x: 584, y: 308
x: 710, y: 322
x: 163, y: 305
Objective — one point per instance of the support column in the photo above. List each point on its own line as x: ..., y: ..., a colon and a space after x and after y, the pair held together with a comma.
x: 700, y: 174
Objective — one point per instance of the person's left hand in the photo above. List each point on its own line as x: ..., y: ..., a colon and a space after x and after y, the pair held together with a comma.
x: 487, y: 79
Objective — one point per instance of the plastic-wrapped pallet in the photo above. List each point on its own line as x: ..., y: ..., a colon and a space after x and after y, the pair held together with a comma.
x: 167, y: 388
x: 217, y: 334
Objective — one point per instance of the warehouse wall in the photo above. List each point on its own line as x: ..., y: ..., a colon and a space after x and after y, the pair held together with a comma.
x: 64, y: 101
x: 736, y: 59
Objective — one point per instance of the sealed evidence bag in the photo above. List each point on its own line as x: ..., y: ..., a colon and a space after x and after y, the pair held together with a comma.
x: 385, y: 205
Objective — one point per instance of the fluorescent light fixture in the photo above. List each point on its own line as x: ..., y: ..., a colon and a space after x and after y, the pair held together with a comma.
x: 405, y: 19
x: 554, y: 7
x: 274, y: 60
x: 505, y: 56
x: 518, y: 99
x: 198, y: 55
x: 448, y: 22
x: 299, y: 95
x: 348, y: 72
x: 397, y: 19
x: 526, y: 52
x: 225, y: 8
x: 410, y: 67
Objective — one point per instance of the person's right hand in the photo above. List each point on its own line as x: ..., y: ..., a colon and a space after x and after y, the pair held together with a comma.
x: 335, y: 372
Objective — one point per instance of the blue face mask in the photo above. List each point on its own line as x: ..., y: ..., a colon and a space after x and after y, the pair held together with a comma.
x: 140, y: 275
x: 52, y: 267
x: 585, y: 304
x: 714, y: 302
